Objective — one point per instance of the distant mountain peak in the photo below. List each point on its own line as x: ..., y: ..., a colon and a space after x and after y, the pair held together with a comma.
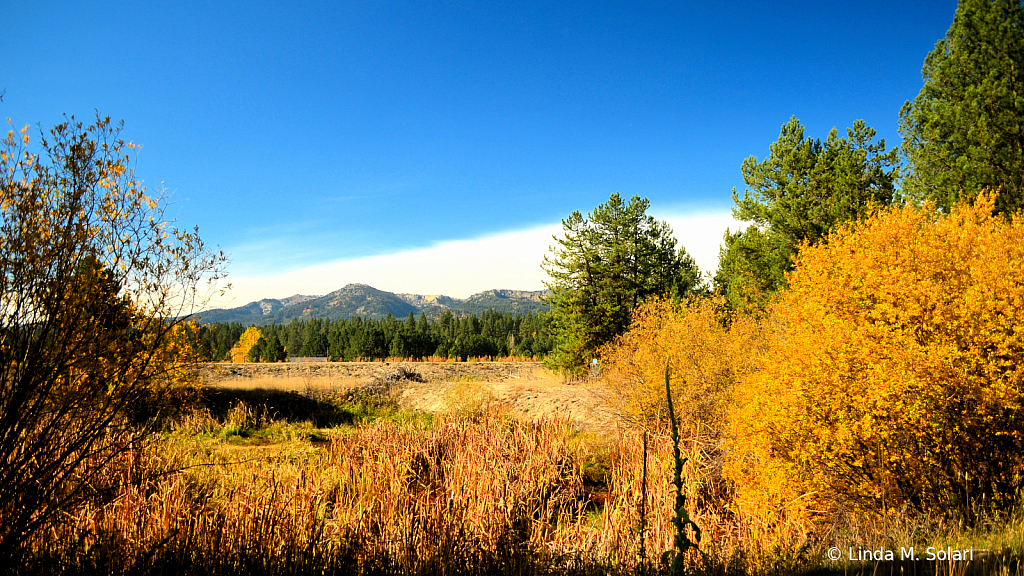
x: 362, y: 300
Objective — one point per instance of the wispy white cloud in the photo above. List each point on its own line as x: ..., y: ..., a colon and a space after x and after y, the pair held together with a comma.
x: 701, y: 234
x: 461, y: 268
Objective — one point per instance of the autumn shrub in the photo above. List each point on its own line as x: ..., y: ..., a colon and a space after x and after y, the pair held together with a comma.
x: 707, y: 353
x: 892, y: 374
x: 96, y: 287
x: 466, y: 397
x: 709, y: 348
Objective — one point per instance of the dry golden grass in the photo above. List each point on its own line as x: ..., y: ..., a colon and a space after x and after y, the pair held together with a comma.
x: 485, y: 493
x: 291, y: 383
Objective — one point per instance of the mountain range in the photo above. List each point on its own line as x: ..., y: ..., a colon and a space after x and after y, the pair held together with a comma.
x: 360, y: 300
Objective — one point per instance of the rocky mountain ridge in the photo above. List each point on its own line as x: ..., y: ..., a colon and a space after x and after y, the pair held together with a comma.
x: 361, y: 300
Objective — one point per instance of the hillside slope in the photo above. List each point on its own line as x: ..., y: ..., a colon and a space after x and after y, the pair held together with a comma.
x: 360, y: 300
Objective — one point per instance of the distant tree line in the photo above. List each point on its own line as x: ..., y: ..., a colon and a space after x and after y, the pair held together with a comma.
x: 494, y: 334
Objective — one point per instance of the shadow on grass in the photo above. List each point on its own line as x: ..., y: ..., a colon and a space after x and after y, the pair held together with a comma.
x: 322, y: 411
x: 266, y: 557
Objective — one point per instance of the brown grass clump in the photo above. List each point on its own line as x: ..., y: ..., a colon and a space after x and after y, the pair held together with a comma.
x: 487, y: 483
x: 397, y: 498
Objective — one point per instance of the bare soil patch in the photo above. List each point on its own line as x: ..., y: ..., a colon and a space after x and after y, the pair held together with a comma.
x: 529, y: 389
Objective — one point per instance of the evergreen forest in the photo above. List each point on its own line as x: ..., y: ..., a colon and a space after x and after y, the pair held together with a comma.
x: 491, y: 334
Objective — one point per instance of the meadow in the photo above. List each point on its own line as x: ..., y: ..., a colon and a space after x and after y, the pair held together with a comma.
x: 318, y: 475
x: 865, y: 420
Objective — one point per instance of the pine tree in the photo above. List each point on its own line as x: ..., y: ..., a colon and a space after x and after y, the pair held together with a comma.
x: 603, y: 267
x: 963, y: 132
x: 257, y: 352
x: 295, y: 340
x: 315, y: 346
x: 274, y: 351
x: 797, y: 194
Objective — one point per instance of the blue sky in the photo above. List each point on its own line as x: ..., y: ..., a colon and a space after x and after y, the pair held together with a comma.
x: 308, y: 139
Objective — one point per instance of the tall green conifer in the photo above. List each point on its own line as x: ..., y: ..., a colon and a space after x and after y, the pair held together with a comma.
x: 798, y: 193
x: 963, y: 132
x: 603, y: 266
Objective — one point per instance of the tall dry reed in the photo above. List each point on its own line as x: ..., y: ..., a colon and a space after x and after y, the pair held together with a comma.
x: 467, y: 495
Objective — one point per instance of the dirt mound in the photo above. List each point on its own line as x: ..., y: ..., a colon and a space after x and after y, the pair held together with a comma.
x: 429, y: 371
x: 397, y: 374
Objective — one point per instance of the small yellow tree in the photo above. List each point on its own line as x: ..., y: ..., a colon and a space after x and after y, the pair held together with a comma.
x: 705, y: 353
x: 246, y: 341
x: 894, y: 370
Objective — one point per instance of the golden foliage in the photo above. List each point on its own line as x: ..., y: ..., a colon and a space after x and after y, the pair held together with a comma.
x: 893, y: 370
x: 94, y: 288
x: 246, y: 341
x: 706, y: 357
x: 709, y: 351
x: 468, y: 397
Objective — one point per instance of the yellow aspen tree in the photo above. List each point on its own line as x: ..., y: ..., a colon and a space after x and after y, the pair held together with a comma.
x: 246, y: 341
x: 708, y: 351
x: 706, y: 356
